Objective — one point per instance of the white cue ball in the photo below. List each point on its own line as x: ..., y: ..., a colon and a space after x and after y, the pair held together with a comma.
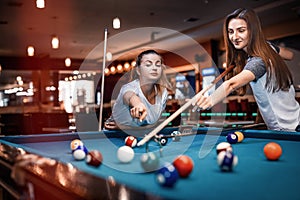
x: 79, y: 154
x: 125, y: 154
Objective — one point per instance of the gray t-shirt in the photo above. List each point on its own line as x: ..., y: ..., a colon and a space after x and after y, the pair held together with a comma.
x: 279, y: 109
x: 121, y: 111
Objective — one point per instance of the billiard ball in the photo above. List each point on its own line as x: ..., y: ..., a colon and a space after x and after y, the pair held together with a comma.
x: 223, y: 146
x: 94, y: 158
x: 163, y: 140
x: 81, y: 147
x: 184, y: 165
x: 167, y: 176
x: 125, y: 154
x: 240, y: 136
x: 149, y: 162
x: 130, y: 141
x: 272, y: 151
x: 232, y: 138
x: 80, y: 152
x: 176, y: 136
x: 227, y: 160
x: 75, y: 143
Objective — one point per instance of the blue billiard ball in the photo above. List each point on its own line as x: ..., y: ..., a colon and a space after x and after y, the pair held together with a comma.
x: 149, y: 162
x: 227, y: 160
x: 232, y: 138
x: 81, y: 147
x: 167, y: 176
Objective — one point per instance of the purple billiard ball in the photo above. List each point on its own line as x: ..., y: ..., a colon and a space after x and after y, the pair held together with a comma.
x: 167, y: 176
x: 232, y: 138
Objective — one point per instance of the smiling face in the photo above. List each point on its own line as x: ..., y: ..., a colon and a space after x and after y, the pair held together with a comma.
x: 238, y: 33
x: 150, y: 69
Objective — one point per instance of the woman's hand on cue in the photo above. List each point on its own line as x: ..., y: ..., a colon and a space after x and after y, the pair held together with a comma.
x: 139, y: 111
x: 202, y: 103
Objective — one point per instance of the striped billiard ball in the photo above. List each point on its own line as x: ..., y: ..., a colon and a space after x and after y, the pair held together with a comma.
x: 227, y: 160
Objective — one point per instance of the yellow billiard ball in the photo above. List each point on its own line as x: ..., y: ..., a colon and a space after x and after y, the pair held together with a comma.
x: 240, y: 136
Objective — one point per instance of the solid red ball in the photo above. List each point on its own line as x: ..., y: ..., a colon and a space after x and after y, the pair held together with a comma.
x: 272, y: 151
x: 184, y: 165
x: 94, y: 158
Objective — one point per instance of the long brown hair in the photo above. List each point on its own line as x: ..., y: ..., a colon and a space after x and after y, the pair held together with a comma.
x: 162, y: 82
x: 278, y: 75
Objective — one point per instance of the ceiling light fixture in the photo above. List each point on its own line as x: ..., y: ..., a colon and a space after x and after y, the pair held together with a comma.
x: 68, y: 62
x: 30, y: 51
x: 109, y: 56
x: 55, y: 42
x: 116, y: 23
x: 40, y: 3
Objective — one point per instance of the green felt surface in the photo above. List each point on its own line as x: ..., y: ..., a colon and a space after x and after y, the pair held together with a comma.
x: 253, y: 178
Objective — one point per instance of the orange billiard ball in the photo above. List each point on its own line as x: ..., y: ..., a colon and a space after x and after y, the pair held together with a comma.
x: 272, y: 151
x: 184, y: 165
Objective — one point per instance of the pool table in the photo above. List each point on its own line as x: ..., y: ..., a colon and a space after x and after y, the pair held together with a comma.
x: 42, y: 167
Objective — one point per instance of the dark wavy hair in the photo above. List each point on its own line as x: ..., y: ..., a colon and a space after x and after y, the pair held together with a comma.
x: 278, y: 75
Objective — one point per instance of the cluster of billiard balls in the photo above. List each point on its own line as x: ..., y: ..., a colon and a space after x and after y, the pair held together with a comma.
x: 227, y: 160
x: 166, y: 175
x: 80, y: 152
x: 169, y: 173
x: 272, y: 150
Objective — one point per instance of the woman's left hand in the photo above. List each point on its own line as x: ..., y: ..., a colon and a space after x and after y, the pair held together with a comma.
x: 202, y: 103
x: 139, y: 111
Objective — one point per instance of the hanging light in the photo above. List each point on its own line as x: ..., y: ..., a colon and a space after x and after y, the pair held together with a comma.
x: 113, y: 70
x: 133, y: 63
x: 108, y: 56
x: 126, y: 66
x: 55, y: 42
x: 119, y: 68
x: 30, y: 51
x: 68, y: 62
x: 224, y: 65
x: 116, y: 23
x: 106, y: 71
x: 40, y: 3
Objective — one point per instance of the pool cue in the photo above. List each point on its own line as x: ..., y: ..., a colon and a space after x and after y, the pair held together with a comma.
x: 102, y: 83
x: 183, y: 108
x: 230, y: 129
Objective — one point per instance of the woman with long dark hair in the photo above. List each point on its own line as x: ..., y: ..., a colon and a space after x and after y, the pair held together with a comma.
x: 258, y: 64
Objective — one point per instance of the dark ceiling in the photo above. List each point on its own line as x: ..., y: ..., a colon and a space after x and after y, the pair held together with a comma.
x: 80, y: 24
